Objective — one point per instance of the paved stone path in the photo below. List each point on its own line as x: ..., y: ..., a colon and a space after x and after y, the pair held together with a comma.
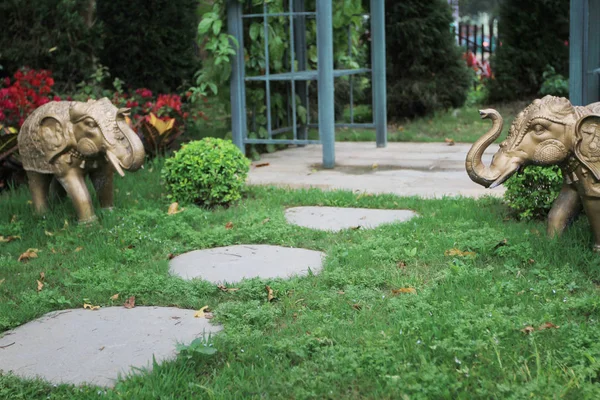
x: 233, y: 263
x: 429, y: 170
x: 83, y: 346
x: 337, y: 218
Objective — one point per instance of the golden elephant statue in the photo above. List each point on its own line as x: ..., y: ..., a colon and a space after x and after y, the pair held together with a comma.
x: 63, y: 141
x: 550, y: 131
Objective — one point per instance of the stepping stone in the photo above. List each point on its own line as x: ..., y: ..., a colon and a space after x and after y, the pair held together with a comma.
x: 233, y: 263
x: 83, y: 346
x: 337, y: 218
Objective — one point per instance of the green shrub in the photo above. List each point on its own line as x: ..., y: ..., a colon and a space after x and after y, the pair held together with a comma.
x: 425, y: 70
x: 533, y: 34
x: 530, y: 194
x: 150, y: 43
x: 554, y: 84
x: 206, y: 172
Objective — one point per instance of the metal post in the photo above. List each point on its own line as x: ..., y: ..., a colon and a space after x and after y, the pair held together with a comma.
x: 326, y: 88
x: 576, y: 51
x: 378, y: 71
x: 592, y: 54
x: 302, y: 58
x: 482, y: 41
x: 237, y: 83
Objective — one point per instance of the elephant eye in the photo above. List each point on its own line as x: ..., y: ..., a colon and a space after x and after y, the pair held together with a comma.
x: 538, y: 128
x: 90, y: 123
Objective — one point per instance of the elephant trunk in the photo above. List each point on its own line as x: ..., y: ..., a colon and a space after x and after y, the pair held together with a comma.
x: 477, y: 171
x: 138, y: 154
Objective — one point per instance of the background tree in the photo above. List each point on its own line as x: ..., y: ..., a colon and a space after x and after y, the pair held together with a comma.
x: 150, y: 43
x: 534, y: 34
x: 425, y: 71
x: 58, y: 35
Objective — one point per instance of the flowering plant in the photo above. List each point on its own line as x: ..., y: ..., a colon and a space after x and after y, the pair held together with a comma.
x: 29, y: 90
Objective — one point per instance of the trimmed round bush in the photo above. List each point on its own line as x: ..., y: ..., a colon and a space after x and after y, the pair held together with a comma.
x: 530, y: 194
x: 207, y: 172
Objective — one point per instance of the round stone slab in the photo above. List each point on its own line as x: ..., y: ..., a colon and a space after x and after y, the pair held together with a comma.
x: 338, y: 218
x: 83, y: 346
x: 233, y: 263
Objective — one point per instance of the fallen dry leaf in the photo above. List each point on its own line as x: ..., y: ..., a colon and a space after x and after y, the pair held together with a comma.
x: 547, y: 325
x: 449, y: 141
x: 29, y: 254
x: 6, y: 239
x: 49, y: 233
x: 42, y: 276
x: 78, y: 249
x: 208, y: 315
x: 266, y: 164
x: 404, y: 290
x: 528, y: 329
x: 65, y: 225
x: 341, y: 292
x: 401, y: 264
x: 357, y: 306
x: 101, y: 348
x: 130, y: 302
x: 457, y: 252
x: 114, y: 296
x: 200, y: 312
x: 374, y: 166
x: 226, y: 289
x: 531, y: 261
x: 170, y: 256
x: 174, y: 209
x: 269, y: 293
x: 91, y: 307
x: 266, y: 220
x: 40, y: 285
x: 229, y: 225
x: 13, y: 219
x: 2, y: 281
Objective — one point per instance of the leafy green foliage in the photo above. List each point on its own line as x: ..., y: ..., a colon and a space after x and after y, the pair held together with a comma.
x: 534, y: 34
x: 150, y: 43
x: 530, y: 194
x: 554, y: 84
x: 219, y: 46
x: 58, y: 35
x: 425, y: 71
x: 208, y: 172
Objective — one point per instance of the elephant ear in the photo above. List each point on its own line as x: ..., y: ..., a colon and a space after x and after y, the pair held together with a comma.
x: 587, y: 149
x: 54, y: 140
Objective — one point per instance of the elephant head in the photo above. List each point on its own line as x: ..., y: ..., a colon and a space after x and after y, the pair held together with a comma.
x: 89, y: 131
x: 100, y: 128
x: 548, y: 132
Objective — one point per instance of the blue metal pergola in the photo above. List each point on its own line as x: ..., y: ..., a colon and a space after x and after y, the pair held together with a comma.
x: 324, y: 75
x: 584, y: 48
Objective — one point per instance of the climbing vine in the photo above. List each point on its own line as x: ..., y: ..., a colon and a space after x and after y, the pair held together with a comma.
x: 350, y: 51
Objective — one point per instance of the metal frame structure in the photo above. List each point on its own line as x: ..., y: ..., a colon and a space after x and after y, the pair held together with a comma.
x: 324, y: 74
x: 584, y: 48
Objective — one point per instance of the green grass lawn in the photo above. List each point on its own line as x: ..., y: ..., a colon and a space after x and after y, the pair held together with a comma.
x: 343, y: 333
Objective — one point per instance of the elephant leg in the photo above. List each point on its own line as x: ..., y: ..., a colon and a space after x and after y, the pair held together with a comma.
x: 102, y: 179
x: 592, y: 209
x: 74, y: 183
x: 39, y: 185
x: 565, y: 208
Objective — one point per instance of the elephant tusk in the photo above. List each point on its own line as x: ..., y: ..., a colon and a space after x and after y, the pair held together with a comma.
x: 114, y: 161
